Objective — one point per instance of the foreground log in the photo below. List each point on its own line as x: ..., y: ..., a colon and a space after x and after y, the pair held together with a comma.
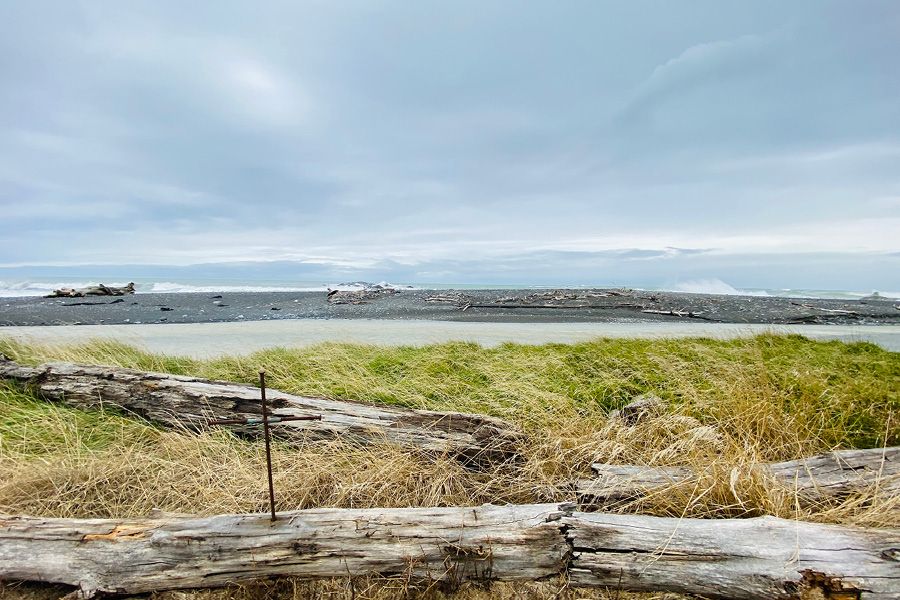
x: 178, y: 401
x: 737, y: 559
x: 142, y: 555
x: 753, y: 558
x: 833, y: 475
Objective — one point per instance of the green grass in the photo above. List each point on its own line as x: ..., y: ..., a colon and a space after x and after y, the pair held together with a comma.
x: 32, y: 427
x: 839, y: 394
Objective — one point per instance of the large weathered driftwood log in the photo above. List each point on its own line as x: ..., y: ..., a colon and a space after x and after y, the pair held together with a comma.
x: 765, y: 557
x: 833, y: 475
x: 174, y: 400
x: 738, y: 559
x: 142, y: 555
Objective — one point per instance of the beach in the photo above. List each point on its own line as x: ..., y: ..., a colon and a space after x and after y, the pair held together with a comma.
x: 485, y: 306
x: 205, y: 325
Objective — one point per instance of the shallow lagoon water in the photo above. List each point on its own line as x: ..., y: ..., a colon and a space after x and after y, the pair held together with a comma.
x: 207, y: 340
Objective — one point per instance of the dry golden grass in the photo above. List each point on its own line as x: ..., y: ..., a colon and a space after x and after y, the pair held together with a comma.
x: 730, y: 405
x: 380, y: 588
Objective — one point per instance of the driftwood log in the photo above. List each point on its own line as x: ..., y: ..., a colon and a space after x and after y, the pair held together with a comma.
x: 833, y: 475
x: 178, y: 401
x: 738, y: 559
x: 93, y: 290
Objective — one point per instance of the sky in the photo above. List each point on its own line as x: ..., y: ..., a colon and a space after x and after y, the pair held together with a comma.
x: 582, y: 142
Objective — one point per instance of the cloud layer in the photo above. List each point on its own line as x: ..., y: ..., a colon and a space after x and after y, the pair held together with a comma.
x: 467, y: 140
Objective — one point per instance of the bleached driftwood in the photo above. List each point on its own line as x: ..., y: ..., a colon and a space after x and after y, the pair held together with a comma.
x: 93, y: 290
x: 678, y: 313
x: 563, y: 306
x: 142, y: 555
x: 361, y: 296
x: 825, y: 476
x: 174, y: 400
x: 737, y: 559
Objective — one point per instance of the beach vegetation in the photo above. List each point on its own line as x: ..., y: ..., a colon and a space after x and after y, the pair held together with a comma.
x: 729, y: 404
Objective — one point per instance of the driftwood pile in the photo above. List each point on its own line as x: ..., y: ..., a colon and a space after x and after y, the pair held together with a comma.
x: 360, y: 296
x: 567, y: 300
x: 725, y: 558
x: 671, y: 306
x: 94, y: 290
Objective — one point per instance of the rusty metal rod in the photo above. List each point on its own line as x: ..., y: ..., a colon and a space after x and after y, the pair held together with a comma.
x: 259, y: 420
x: 265, y: 416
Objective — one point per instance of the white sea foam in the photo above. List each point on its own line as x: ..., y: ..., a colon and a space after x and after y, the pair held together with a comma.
x: 168, y: 287
x: 714, y: 286
x: 717, y: 286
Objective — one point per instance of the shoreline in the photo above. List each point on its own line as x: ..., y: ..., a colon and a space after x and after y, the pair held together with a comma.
x: 484, y: 306
x: 210, y: 340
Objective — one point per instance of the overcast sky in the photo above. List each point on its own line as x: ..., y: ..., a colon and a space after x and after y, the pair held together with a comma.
x: 547, y: 142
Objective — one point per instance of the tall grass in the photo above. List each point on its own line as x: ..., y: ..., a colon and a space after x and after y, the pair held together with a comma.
x: 729, y: 404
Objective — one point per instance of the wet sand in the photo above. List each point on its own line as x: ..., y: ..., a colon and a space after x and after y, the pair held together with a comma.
x: 206, y: 340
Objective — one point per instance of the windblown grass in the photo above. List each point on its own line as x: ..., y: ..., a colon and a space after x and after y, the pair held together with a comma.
x: 730, y: 404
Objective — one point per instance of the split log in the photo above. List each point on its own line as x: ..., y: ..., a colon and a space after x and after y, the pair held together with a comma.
x: 739, y: 559
x: 178, y: 401
x: 833, y: 475
x: 735, y: 559
x: 130, y: 556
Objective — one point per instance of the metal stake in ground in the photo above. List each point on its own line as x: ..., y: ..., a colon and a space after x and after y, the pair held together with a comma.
x: 265, y: 423
x: 265, y: 412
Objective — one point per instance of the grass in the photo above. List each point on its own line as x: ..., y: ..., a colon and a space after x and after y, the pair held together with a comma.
x: 730, y: 404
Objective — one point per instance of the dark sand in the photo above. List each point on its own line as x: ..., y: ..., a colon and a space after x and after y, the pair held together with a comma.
x: 495, y: 306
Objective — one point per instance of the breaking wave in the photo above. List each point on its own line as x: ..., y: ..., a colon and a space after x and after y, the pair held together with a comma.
x: 168, y: 287
x: 714, y: 286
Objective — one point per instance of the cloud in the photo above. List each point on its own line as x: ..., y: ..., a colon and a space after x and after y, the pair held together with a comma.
x: 260, y: 92
x: 708, y: 63
x: 451, y: 139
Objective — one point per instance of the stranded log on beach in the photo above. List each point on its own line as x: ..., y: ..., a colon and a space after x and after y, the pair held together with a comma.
x: 834, y: 475
x: 178, y: 401
x: 94, y: 290
x: 737, y: 559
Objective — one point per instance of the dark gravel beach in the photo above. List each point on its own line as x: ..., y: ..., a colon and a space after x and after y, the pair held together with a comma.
x: 505, y: 305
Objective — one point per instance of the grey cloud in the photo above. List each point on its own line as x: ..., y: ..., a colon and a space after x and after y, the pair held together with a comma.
x: 378, y: 132
x: 708, y: 62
